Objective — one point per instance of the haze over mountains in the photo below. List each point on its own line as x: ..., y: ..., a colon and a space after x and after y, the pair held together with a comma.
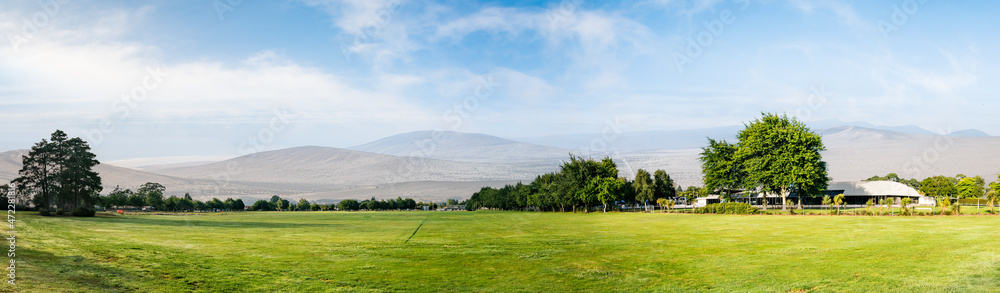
x: 437, y: 165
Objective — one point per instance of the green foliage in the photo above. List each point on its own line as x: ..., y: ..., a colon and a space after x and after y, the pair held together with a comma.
x: 58, y: 172
x: 349, y: 205
x: 938, y: 186
x: 643, y: 187
x: 607, y: 189
x: 263, y: 205
x: 781, y: 154
x: 970, y: 187
x: 83, y: 212
x: 663, y: 185
x: 580, y: 182
x: 895, y: 178
x: 732, y: 208
x: 839, y: 201
x: 721, y: 172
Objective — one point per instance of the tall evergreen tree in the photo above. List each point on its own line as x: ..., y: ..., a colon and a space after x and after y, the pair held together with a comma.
x: 59, y: 172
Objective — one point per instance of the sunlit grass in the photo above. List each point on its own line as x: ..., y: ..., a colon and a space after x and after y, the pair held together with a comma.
x: 506, y: 251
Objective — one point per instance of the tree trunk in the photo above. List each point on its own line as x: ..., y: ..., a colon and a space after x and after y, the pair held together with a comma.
x: 784, y: 199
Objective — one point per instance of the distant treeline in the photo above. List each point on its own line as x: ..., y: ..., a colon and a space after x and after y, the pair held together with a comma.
x: 580, y: 183
x: 151, y: 195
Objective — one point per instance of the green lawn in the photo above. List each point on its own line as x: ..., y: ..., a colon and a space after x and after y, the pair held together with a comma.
x: 506, y: 251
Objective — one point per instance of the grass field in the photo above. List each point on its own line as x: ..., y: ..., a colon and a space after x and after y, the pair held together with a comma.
x: 506, y: 251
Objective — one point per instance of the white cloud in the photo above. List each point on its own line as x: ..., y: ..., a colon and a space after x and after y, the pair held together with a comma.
x: 77, y: 81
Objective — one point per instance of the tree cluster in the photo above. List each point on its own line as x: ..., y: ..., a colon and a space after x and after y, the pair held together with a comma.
x: 895, y: 178
x: 774, y: 154
x: 151, y: 195
x: 58, y: 172
x: 579, y: 183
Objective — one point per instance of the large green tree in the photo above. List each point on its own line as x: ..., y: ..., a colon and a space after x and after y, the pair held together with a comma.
x: 780, y: 155
x: 606, y: 189
x: 970, y: 187
x: 576, y: 174
x: 663, y: 186
x: 938, y: 186
x: 152, y: 192
x: 644, y: 188
x: 59, y: 173
x: 720, y: 170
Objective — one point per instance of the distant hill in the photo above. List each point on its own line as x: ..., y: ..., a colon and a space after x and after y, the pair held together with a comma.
x: 636, y: 141
x: 969, y: 133
x: 324, y: 168
x: 450, y: 145
x: 112, y: 176
x: 855, y: 133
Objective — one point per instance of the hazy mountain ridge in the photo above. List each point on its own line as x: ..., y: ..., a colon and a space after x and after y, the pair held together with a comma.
x: 449, y: 145
x: 312, y: 172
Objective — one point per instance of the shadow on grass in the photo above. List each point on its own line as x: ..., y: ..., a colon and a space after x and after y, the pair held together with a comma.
x: 43, y: 270
x: 189, y: 222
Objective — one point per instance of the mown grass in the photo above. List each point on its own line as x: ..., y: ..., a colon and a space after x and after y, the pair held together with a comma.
x: 505, y: 251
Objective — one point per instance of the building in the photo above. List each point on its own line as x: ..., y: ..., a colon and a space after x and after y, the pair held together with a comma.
x: 859, y: 192
x: 856, y: 193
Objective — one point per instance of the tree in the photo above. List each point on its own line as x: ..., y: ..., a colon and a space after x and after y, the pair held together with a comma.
x: 970, y: 187
x: 59, y: 173
x: 827, y: 201
x: 607, y: 189
x: 304, y: 205
x: 663, y: 186
x: 839, y: 200
x: 152, y: 194
x: 721, y: 171
x: 938, y: 186
x: 992, y: 196
x: 780, y: 154
x: 663, y: 203
x: 348, y: 205
x: 905, y: 203
x: 263, y: 205
x: 238, y: 205
x: 644, y: 188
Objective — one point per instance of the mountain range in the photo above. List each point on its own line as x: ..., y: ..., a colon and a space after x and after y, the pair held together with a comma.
x: 429, y: 165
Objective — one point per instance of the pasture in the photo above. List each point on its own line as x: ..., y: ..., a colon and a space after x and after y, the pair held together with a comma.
x: 505, y: 251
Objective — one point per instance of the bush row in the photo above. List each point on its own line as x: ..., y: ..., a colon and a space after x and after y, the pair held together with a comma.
x: 732, y: 208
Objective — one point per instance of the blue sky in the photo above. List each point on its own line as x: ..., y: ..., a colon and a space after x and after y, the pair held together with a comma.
x: 223, y: 78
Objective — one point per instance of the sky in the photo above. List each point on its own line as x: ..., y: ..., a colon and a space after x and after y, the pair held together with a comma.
x: 230, y: 77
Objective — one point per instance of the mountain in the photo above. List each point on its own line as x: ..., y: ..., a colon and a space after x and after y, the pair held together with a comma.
x: 855, y: 133
x: 905, y: 129
x: 314, y: 170
x: 636, y: 141
x: 114, y: 176
x: 969, y: 133
x: 449, y: 145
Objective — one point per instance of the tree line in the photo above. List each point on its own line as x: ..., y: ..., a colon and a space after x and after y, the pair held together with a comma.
x: 151, y: 195
x: 579, y: 183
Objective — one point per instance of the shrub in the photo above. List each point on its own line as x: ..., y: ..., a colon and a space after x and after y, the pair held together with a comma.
x: 83, y: 212
x: 44, y: 212
x: 59, y: 212
x: 732, y: 208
